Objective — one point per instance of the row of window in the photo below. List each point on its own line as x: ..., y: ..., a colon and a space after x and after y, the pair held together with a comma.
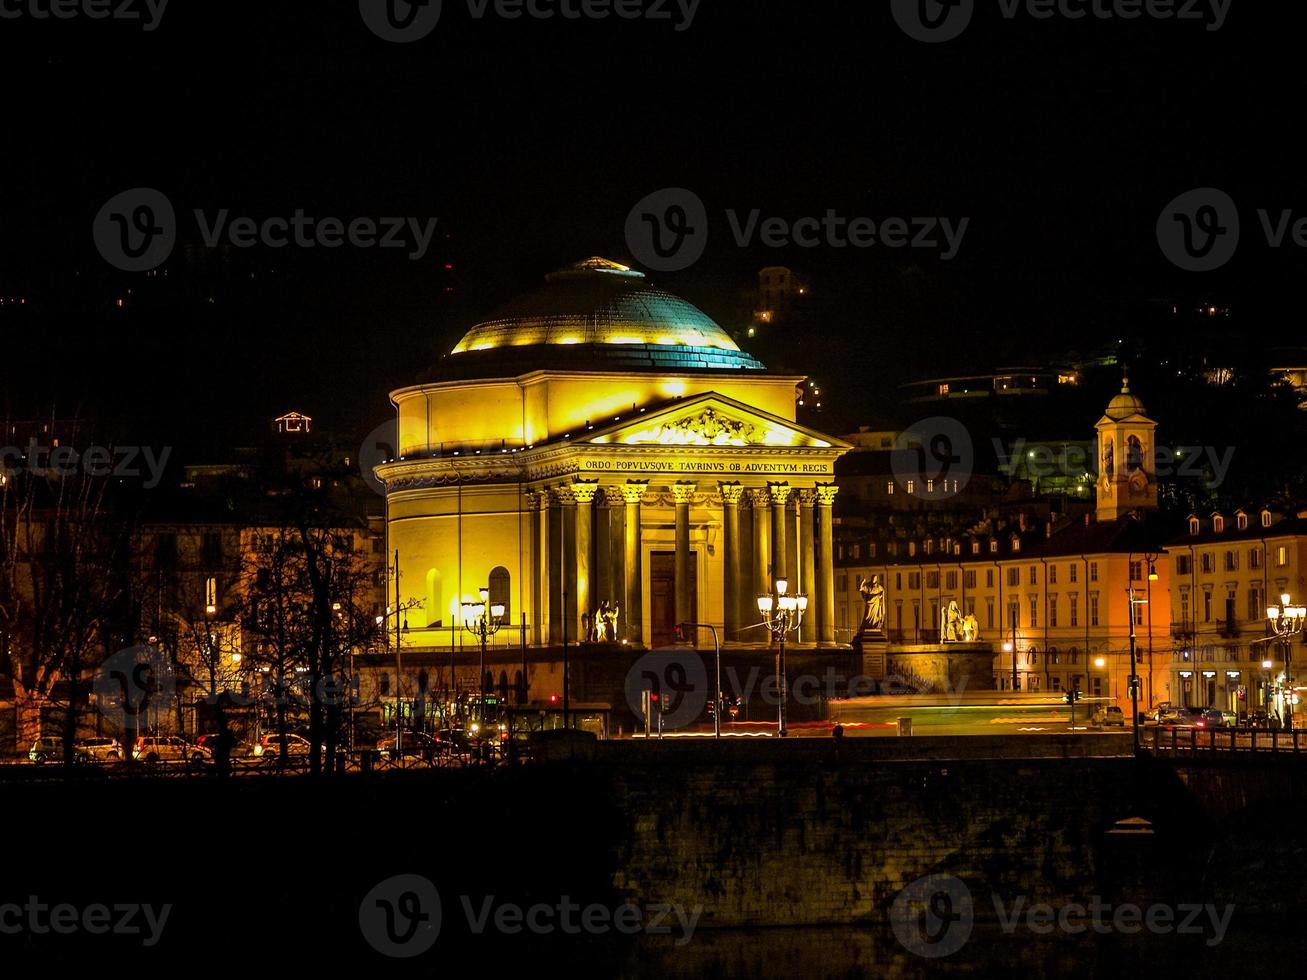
x: 1184, y: 564
x: 970, y: 577
x: 1256, y: 606
x: 1218, y: 522
x: 1013, y: 617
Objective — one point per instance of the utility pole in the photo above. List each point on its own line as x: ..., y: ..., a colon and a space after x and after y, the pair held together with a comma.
x: 566, y: 697
x: 399, y: 670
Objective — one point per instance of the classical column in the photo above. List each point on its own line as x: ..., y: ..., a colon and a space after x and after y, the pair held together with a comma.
x: 826, y: 561
x: 539, y: 505
x: 760, y: 500
x: 682, y: 491
x: 807, y: 539
x: 633, y: 610
x: 551, y: 566
x: 566, y: 567
x: 601, y: 575
x: 731, y: 557
x: 615, y: 499
x: 779, y: 493
x: 583, y: 492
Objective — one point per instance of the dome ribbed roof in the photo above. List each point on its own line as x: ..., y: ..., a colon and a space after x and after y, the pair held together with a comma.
x: 614, y: 309
x: 1125, y: 404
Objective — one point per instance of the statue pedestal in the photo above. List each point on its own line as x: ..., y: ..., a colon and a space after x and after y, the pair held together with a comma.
x: 942, y: 668
x: 870, y: 645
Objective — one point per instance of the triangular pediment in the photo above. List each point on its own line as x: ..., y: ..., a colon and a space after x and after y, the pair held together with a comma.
x: 711, y: 420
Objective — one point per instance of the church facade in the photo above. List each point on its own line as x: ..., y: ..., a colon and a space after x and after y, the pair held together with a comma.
x: 603, y: 460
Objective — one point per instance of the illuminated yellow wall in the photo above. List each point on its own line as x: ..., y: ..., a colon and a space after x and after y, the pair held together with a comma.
x: 462, y: 535
x: 545, y: 405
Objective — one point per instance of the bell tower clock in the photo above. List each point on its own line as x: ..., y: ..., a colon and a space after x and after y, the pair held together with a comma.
x: 1127, y: 457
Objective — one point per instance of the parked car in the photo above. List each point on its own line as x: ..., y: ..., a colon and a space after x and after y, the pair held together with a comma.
x: 99, y: 750
x: 268, y: 748
x: 46, y: 749
x: 239, y: 749
x: 1260, y: 719
x: 416, y: 744
x: 153, y: 749
x: 454, y: 743
x: 1110, y: 715
x: 1177, y: 718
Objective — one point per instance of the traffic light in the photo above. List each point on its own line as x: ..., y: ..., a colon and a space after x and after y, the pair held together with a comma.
x: 1072, y: 696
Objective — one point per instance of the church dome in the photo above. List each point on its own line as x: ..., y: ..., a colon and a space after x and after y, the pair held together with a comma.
x: 600, y: 311
x: 1125, y: 404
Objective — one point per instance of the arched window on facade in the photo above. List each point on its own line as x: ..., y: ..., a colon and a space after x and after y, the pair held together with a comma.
x: 503, y: 687
x: 501, y: 590
x: 519, y: 687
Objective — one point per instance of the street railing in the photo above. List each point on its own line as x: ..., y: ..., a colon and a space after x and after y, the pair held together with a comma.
x: 1180, y: 741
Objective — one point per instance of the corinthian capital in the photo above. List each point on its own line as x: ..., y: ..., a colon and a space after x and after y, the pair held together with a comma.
x: 584, y: 490
x: 779, y: 492
x: 826, y: 493
x: 731, y: 493
x: 683, y: 491
x: 633, y: 490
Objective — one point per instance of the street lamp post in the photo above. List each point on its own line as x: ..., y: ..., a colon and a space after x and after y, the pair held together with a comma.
x: 482, y: 620
x: 1287, y: 622
x: 1134, y: 676
x: 782, y: 613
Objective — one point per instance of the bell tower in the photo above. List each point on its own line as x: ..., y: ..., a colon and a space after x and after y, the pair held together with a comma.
x: 1127, y: 457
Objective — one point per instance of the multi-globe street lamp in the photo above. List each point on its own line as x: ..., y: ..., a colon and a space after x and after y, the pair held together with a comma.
x: 482, y: 619
x: 781, y: 614
x: 1287, y: 622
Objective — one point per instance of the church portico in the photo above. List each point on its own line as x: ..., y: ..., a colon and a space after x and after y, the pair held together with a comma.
x: 608, y: 506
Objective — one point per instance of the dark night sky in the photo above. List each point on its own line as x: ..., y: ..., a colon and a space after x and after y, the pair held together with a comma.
x: 531, y: 141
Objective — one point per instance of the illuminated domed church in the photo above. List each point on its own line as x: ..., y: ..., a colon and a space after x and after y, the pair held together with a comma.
x: 604, y: 459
